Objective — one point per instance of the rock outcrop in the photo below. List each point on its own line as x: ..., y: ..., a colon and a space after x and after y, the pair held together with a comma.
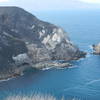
x: 25, y: 41
x: 96, y: 49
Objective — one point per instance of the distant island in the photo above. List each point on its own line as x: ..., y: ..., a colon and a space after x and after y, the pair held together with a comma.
x: 27, y: 42
x: 96, y: 49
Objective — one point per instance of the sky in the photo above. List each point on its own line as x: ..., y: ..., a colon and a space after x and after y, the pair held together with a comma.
x: 38, y: 5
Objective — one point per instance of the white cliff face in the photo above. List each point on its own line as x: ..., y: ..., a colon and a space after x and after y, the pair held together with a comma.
x: 57, y: 36
x: 46, y: 39
x: 33, y: 26
x: 41, y: 33
x: 21, y: 58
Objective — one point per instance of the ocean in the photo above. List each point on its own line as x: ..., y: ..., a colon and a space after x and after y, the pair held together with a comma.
x: 82, y: 80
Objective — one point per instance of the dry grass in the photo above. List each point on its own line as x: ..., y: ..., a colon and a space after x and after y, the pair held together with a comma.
x: 35, y: 97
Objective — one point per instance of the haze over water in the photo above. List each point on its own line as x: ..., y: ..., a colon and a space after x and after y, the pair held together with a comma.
x: 82, y: 81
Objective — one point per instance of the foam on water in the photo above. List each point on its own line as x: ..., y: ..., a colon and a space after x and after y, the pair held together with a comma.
x: 5, y: 80
x: 92, y: 82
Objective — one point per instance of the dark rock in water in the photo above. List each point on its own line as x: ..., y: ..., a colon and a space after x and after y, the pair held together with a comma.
x: 25, y: 40
x: 96, y: 49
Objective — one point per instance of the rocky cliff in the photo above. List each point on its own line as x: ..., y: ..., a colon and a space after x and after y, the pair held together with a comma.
x: 96, y: 49
x: 25, y: 41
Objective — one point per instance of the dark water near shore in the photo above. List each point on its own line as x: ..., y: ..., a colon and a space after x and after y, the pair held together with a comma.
x: 82, y: 81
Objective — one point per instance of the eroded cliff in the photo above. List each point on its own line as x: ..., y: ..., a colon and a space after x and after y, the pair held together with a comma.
x: 25, y: 41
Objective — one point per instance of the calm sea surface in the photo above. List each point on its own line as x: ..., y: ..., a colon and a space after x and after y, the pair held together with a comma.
x: 82, y: 81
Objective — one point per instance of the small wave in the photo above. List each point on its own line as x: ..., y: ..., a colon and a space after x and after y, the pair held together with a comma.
x: 47, y: 68
x: 90, y: 46
x: 61, y: 68
x: 88, y: 55
x: 93, y: 81
x: 71, y: 67
x: 81, y: 59
x: 68, y: 67
x: 6, y: 80
x: 67, y: 89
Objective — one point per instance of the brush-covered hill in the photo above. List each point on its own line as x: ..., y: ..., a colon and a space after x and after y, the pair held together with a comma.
x: 25, y: 40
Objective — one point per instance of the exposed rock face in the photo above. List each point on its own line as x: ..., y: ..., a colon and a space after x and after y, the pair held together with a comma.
x: 26, y: 40
x: 53, y: 64
x: 96, y: 49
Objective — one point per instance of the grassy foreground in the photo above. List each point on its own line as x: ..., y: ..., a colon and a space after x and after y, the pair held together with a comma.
x: 35, y: 97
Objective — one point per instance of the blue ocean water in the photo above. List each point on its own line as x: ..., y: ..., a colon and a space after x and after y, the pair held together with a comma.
x: 82, y: 81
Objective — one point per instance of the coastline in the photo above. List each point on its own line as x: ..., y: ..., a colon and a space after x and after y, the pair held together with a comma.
x: 9, y: 77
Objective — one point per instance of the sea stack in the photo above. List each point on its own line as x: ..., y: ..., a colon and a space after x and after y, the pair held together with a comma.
x: 96, y: 49
x: 25, y: 41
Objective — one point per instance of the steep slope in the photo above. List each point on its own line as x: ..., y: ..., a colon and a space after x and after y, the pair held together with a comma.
x: 26, y: 40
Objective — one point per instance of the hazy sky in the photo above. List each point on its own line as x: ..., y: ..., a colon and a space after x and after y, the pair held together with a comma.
x: 36, y: 5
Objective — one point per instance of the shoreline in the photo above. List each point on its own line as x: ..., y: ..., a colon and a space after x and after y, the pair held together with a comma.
x: 41, y: 66
x: 44, y: 67
x: 9, y: 77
